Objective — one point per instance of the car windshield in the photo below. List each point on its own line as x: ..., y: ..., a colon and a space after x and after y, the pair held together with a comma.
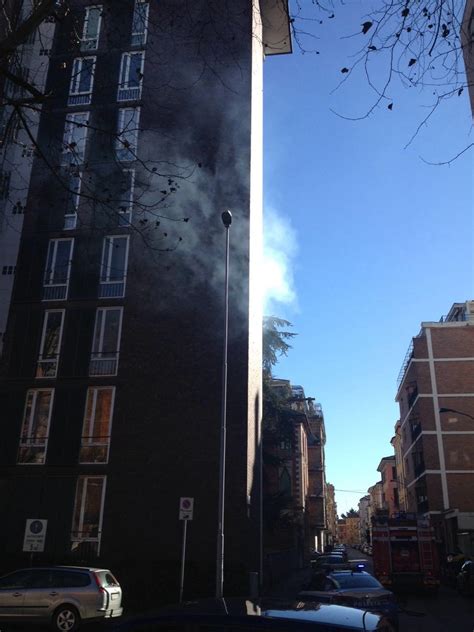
x: 356, y: 581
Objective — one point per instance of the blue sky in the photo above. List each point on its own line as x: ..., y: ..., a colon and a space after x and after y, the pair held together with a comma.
x: 371, y: 241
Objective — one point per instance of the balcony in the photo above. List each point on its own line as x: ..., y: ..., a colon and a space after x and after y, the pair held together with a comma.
x: 85, y: 544
x: 419, y: 468
x: 55, y: 292
x: 32, y: 450
x: 103, y: 364
x: 80, y: 99
x: 406, y: 362
x: 112, y: 289
x: 47, y: 367
x: 94, y: 449
x: 129, y: 94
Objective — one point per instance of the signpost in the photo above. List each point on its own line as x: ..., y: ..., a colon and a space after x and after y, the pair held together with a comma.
x: 186, y: 509
x: 35, y: 535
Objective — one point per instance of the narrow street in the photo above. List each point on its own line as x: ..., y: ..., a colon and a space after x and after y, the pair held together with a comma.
x: 446, y: 612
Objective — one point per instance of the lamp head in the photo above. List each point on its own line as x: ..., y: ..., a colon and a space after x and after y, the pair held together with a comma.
x: 227, y: 218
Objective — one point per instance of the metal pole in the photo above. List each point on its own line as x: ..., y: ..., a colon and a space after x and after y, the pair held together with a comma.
x: 227, y: 221
x: 183, y: 558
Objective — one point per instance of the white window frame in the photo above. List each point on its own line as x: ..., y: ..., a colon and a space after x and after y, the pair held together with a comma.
x: 100, y: 366
x: 53, y: 362
x: 29, y: 423
x: 139, y: 37
x: 125, y: 216
x: 123, y: 152
x: 77, y: 96
x: 91, y: 43
x: 82, y: 481
x: 87, y: 441
x: 70, y: 219
x: 125, y: 92
x: 58, y: 291
x: 111, y: 288
x: 73, y: 122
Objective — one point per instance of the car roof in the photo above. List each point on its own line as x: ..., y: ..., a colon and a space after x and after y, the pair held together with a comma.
x: 63, y: 568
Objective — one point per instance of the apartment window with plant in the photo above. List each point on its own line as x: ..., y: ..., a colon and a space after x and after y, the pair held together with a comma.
x: 72, y: 197
x: 140, y: 22
x: 50, y: 344
x: 127, y: 191
x: 127, y: 134
x: 91, y: 28
x: 96, y: 429
x: 75, y: 138
x: 88, y: 512
x: 82, y: 81
x: 106, y: 341
x: 113, y: 272
x: 131, y: 76
x: 58, y: 269
x: 35, y: 426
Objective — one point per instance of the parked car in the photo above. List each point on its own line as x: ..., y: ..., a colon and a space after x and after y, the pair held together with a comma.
x: 341, y: 553
x: 239, y: 615
x: 465, y: 578
x: 62, y: 596
x: 329, y: 562
x: 355, y: 588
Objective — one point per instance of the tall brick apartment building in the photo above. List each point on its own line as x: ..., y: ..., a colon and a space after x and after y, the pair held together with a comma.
x: 436, y: 445
x: 111, y: 373
x: 467, y: 41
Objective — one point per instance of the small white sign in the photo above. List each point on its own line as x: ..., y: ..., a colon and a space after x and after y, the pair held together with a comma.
x: 35, y: 535
x: 186, y: 508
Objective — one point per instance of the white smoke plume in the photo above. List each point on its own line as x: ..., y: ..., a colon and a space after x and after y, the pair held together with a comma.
x: 279, y: 252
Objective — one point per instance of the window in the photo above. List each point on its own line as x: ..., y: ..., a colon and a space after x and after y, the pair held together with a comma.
x: 284, y: 484
x: 35, y: 427
x: 82, y: 79
x: 91, y: 29
x: 88, y: 510
x: 50, y: 343
x: 75, y: 138
x: 106, y: 342
x: 127, y: 140
x: 8, y: 270
x: 113, y: 270
x: 73, y: 195
x: 127, y: 189
x: 131, y: 76
x: 58, y: 268
x: 95, y: 441
x: 140, y: 22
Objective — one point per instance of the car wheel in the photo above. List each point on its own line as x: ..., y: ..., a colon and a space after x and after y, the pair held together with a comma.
x: 66, y: 619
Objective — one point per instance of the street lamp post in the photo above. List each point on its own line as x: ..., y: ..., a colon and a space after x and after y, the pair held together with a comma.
x: 227, y: 221
x: 458, y: 412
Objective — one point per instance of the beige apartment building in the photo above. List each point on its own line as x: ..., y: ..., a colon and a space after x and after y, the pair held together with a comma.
x: 436, y: 427
x: 331, y: 513
x: 388, y: 473
x: 396, y: 442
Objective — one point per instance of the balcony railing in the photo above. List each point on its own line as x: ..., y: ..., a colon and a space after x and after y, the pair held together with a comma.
x: 79, y: 99
x: 32, y: 450
x: 129, y: 94
x: 112, y: 289
x: 103, y: 364
x: 55, y: 292
x: 94, y: 449
x: 85, y: 544
x: 406, y: 362
x: 419, y: 468
x: 47, y: 367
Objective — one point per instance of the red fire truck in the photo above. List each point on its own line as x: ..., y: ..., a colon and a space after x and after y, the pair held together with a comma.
x: 404, y: 552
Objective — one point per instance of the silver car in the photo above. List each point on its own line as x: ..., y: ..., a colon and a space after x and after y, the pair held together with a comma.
x: 62, y: 596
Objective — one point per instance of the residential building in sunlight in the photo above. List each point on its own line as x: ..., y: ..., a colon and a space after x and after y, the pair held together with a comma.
x: 436, y: 399
x: 111, y: 378
x: 388, y: 473
x: 400, y: 473
x: 331, y: 514
x: 364, y: 519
